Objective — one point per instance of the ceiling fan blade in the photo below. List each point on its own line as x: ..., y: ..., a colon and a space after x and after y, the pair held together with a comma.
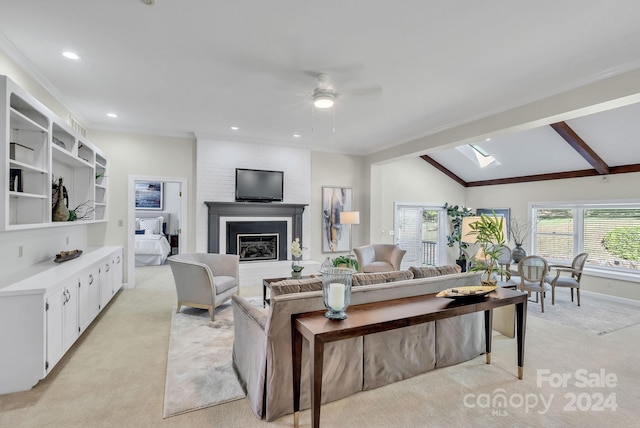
x: 368, y: 90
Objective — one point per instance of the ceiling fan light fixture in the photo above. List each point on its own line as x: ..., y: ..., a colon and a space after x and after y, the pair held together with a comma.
x: 323, y: 99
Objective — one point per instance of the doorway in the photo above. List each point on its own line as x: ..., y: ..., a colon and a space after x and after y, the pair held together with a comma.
x: 421, y: 231
x: 175, y: 230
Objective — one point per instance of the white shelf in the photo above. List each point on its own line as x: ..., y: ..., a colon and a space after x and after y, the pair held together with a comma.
x: 44, y: 148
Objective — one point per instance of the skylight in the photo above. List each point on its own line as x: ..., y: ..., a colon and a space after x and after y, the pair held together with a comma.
x: 478, y: 155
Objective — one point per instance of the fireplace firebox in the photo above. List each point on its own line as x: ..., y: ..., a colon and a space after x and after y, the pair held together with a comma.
x: 257, y: 246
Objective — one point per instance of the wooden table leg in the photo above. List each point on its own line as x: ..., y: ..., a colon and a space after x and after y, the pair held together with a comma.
x: 488, y: 320
x: 317, y: 351
x: 521, y: 324
x: 296, y: 354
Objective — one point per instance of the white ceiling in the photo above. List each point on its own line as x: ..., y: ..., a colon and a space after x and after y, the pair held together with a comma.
x: 200, y: 66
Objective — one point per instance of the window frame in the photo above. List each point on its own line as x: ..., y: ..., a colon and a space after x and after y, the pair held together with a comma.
x: 578, y: 208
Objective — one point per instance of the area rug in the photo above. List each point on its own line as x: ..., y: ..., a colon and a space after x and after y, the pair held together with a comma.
x: 595, y: 314
x: 199, y: 370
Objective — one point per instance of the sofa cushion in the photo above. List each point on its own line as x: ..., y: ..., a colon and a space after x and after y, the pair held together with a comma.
x: 380, y: 277
x: 430, y: 271
x: 287, y: 286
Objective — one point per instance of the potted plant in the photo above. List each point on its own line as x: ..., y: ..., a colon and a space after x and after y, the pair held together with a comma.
x: 296, y: 253
x: 456, y: 213
x: 489, y: 233
x: 345, y: 262
x: 519, y: 229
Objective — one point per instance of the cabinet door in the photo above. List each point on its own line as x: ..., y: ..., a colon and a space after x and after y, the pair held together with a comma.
x: 106, y: 288
x: 89, y: 278
x: 84, y: 318
x: 70, y: 314
x: 55, y: 327
x: 116, y: 283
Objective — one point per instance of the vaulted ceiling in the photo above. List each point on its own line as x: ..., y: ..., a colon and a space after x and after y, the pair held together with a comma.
x: 602, y: 143
x: 200, y: 67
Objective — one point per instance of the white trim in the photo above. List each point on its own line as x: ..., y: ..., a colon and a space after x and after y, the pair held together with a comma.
x: 131, y: 209
x: 610, y: 298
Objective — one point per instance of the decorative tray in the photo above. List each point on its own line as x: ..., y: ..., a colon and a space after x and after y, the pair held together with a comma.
x: 466, y: 292
x: 64, y: 256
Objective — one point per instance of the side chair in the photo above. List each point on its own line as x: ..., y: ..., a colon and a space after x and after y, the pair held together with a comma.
x: 572, y: 281
x: 532, y: 271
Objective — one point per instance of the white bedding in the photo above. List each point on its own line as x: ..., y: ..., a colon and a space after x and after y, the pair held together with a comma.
x: 151, y: 249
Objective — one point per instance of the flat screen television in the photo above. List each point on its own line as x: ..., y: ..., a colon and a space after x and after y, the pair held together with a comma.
x: 253, y: 185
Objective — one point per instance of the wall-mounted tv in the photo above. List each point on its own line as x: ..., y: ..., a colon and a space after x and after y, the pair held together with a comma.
x: 259, y: 186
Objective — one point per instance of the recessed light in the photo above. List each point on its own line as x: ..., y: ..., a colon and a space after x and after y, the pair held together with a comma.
x: 488, y: 139
x: 234, y: 128
x: 70, y: 55
x: 296, y: 135
x: 112, y: 115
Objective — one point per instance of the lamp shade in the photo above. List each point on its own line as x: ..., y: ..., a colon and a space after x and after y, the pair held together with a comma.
x: 467, y: 234
x: 350, y: 217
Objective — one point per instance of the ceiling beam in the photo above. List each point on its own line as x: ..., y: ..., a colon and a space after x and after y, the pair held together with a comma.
x: 581, y: 147
x: 444, y: 170
x: 555, y: 176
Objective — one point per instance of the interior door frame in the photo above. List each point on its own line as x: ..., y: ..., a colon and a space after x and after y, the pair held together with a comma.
x: 442, y: 225
x: 131, y: 210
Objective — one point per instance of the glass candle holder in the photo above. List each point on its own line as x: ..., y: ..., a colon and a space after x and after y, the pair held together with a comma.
x: 336, y: 291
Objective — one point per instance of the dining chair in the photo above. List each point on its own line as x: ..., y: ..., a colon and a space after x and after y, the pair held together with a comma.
x: 532, y: 271
x: 572, y: 281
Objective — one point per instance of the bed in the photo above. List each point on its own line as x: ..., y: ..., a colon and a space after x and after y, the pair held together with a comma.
x: 151, y: 244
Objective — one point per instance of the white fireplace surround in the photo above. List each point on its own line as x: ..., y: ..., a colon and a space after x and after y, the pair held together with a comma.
x: 222, y: 231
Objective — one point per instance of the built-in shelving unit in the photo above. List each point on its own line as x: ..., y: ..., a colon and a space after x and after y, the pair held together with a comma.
x: 39, y: 148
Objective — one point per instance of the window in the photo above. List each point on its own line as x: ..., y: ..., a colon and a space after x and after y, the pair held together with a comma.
x: 610, y: 233
x: 419, y: 231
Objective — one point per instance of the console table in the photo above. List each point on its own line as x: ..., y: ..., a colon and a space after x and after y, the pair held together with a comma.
x: 388, y: 315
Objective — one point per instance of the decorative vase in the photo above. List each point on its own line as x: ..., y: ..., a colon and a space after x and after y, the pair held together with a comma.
x: 518, y: 253
x: 296, y: 274
x: 336, y: 292
x: 60, y: 210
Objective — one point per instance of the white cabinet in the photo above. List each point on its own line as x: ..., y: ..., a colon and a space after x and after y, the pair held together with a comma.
x: 89, y: 295
x: 61, y: 306
x: 106, y: 282
x: 45, y: 309
x: 39, y: 148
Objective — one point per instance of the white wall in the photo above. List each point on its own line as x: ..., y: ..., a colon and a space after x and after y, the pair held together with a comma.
x: 338, y: 170
x: 409, y: 181
x: 140, y: 155
x: 216, y: 174
x: 172, y: 206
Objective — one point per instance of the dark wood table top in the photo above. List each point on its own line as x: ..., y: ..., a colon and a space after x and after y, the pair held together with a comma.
x: 391, y: 314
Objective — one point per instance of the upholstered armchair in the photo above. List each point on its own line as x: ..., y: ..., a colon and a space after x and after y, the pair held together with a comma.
x: 379, y: 257
x: 572, y: 280
x: 205, y: 280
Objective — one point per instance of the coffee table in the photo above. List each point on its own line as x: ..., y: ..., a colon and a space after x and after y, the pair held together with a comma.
x: 388, y: 315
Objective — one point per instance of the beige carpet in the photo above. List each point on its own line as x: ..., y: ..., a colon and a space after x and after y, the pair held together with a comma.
x: 114, y: 377
x: 596, y: 315
x: 199, y: 369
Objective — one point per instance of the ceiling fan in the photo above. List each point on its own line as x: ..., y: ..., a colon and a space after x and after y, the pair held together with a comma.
x: 324, y: 95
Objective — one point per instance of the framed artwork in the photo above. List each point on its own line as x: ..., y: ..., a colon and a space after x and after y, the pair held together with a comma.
x: 149, y: 195
x: 335, y: 237
x: 500, y: 212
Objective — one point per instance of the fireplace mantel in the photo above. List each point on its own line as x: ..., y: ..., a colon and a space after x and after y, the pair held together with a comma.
x: 250, y: 209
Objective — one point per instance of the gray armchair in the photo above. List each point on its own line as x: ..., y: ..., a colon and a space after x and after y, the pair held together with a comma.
x: 205, y: 280
x: 571, y: 281
x: 379, y: 257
